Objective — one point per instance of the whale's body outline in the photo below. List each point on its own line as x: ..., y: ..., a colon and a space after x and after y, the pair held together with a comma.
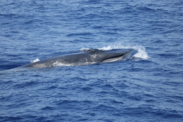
x: 91, y: 56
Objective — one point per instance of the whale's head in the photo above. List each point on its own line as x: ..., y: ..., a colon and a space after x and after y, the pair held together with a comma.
x: 109, y: 55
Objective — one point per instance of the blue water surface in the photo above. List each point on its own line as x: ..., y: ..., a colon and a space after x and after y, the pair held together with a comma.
x: 147, y: 87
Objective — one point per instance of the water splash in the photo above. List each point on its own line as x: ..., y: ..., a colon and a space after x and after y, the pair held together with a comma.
x: 141, y: 54
x: 36, y: 60
x: 84, y: 49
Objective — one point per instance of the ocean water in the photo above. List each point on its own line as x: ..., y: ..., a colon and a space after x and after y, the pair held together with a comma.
x: 147, y: 87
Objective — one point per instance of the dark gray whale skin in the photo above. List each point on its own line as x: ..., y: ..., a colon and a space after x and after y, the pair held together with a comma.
x: 83, y: 58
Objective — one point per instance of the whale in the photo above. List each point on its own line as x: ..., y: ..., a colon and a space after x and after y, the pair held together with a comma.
x: 86, y: 57
x: 90, y: 56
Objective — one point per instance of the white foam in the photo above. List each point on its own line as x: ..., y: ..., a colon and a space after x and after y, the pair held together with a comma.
x: 84, y: 49
x: 141, y: 54
x: 36, y: 60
